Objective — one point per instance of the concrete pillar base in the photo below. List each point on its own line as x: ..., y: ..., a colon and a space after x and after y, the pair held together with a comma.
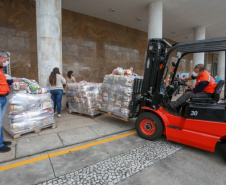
x: 198, y: 58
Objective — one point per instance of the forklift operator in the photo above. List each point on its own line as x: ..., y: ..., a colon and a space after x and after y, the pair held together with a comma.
x: 204, y: 87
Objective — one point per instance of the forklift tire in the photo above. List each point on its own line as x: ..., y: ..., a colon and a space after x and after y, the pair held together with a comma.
x: 223, y: 141
x: 223, y: 147
x: 149, y: 126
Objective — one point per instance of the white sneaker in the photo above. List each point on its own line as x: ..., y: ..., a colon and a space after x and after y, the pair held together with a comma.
x: 59, y: 115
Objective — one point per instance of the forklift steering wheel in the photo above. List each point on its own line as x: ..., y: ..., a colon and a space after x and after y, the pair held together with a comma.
x: 181, y: 82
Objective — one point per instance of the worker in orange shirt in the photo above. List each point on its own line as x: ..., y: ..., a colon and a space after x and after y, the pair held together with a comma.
x: 4, y: 91
x: 204, y: 87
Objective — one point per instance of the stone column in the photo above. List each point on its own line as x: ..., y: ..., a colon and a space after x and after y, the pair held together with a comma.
x: 198, y: 58
x: 221, y: 65
x: 49, y: 37
x: 155, y: 19
x: 206, y: 58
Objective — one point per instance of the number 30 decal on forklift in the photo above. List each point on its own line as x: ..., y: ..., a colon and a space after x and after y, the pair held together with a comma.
x: 194, y: 113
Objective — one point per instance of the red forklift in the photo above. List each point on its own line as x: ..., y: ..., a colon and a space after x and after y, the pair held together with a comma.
x: 200, y: 122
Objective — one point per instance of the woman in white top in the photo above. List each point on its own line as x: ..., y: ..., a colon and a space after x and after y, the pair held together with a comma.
x: 55, y: 83
x: 70, y: 78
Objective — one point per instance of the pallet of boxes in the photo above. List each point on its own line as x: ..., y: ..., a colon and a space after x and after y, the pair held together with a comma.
x: 30, y: 109
x: 116, y: 93
x: 82, y: 98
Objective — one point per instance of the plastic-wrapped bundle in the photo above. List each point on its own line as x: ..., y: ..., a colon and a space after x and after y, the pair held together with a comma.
x: 118, y: 71
x: 83, y: 97
x: 28, y: 112
x: 28, y: 86
x: 116, y: 94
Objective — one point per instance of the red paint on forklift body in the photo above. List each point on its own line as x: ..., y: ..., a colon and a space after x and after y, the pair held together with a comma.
x: 196, y: 133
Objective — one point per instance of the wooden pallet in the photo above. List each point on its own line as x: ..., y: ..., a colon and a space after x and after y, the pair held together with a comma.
x: 111, y: 114
x: 91, y: 116
x: 86, y: 115
x: 53, y: 125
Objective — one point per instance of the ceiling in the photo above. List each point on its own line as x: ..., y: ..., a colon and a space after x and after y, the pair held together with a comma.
x: 179, y: 16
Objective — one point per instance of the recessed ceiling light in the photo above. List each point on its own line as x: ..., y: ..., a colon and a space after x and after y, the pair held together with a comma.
x: 111, y: 9
x: 138, y: 19
x: 173, y: 32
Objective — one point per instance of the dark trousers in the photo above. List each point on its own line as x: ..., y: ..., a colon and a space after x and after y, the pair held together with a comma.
x: 186, y: 96
x: 3, y: 104
x: 178, y: 90
x: 57, y: 98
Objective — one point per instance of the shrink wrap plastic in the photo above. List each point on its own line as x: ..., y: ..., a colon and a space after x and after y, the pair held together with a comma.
x: 28, y: 112
x: 29, y: 86
x: 82, y: 97
x: 116, y: 94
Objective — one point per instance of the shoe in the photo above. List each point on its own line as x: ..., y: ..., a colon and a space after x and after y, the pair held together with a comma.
x: 4, y: 149
x: 7, y: 143
x: 169, y: 109
x: 167, y: 104
x: 59, y: 115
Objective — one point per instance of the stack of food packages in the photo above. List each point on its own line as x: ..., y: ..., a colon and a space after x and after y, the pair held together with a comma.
x: 29, y: 108
x: 82, y: 97
x: 116, y: 93
x: 28, y: 86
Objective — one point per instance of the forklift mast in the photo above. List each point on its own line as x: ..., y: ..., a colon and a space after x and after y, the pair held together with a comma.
x: 154, y: 71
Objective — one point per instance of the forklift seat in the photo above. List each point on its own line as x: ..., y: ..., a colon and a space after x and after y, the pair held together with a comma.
x: 216, y: 95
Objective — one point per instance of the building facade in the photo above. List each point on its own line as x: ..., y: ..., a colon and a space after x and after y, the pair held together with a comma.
x: 91, y: 47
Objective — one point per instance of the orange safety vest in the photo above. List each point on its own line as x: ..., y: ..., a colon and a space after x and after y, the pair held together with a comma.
x: 205, y: 76
x: 4, y: 87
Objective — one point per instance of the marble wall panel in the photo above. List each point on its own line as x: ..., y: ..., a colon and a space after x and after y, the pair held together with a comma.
x: 210, y: 61
x: 4, y: 42
x: 16, y: 43
x: 18, y: 36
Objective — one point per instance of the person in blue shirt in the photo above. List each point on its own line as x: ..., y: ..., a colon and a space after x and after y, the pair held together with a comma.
x: 217, y: 79
x: 162, y: 88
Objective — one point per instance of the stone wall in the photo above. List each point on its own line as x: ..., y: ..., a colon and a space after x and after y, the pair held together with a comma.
x: 94, y: 47
x: 210, y: 60
x: 18, y: 36
x: 91, y: 47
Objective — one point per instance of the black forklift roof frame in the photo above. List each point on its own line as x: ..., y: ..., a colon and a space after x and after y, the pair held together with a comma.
x: 199, y: 46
